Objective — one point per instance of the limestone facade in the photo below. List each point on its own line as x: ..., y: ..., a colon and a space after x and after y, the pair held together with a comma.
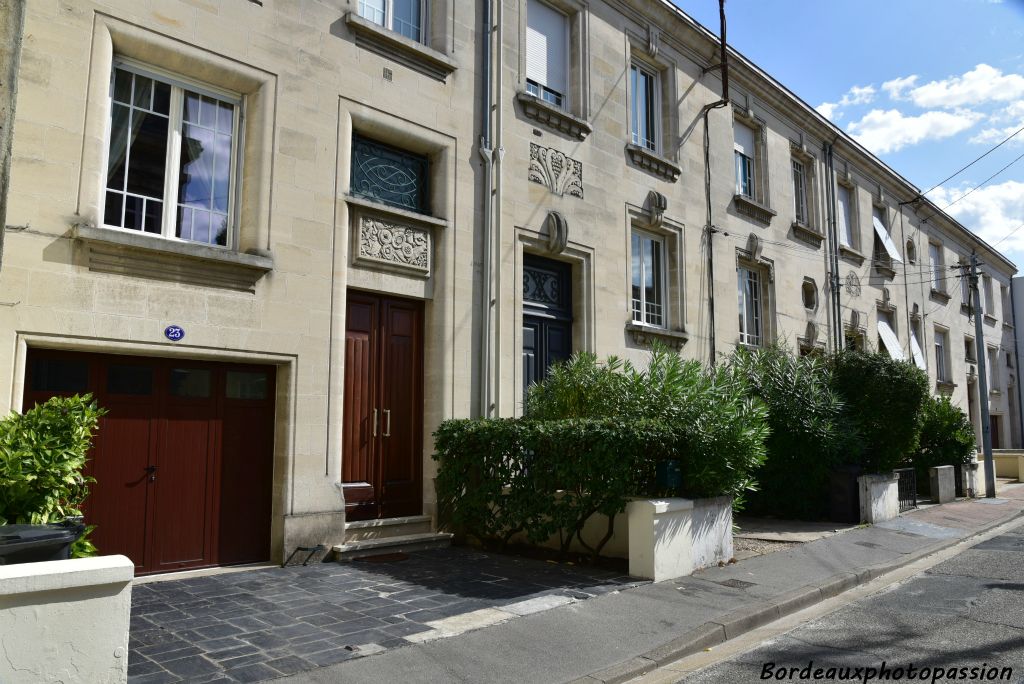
x: 568, y: 183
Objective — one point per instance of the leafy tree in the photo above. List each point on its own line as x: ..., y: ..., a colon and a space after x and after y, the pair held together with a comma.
x: 947, y: 437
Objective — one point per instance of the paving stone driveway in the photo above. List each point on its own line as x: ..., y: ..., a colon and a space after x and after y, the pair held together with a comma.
x: 262, y: 624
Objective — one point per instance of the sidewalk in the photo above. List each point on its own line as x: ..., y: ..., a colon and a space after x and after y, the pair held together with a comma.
x: 621, y: 635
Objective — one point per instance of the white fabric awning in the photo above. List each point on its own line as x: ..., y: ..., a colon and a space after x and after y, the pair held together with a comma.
x: 883, y: 235
x: 889, y: 339
x: 915, y: 349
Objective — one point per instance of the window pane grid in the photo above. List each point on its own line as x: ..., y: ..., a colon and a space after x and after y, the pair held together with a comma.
x: 750, y: 312
x: 648, y: 280
x: 372, y: 10
x: 142, y: 168
x: 800, y: 192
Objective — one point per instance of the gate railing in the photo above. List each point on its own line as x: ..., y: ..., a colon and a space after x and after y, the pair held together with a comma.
x: 907, y: 488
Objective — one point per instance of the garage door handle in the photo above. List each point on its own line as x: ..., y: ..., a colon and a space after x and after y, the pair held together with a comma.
x: 387, y: 429
x: 152, y: 473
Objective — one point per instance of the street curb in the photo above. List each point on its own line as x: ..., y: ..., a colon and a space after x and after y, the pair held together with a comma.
x: 743, y: 620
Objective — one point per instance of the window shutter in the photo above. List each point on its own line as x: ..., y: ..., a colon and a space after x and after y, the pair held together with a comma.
x: 546, y: 31
x: 744, y: 136
x: 883, y: 235
x: 915, y: 349
x: 889, y: 339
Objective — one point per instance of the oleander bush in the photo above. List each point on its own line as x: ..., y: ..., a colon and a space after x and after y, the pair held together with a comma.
x: 947, y: 438
x: 592, y: 436
x: 883, y: 400
x: 43, y: 452
x: 808, y: 435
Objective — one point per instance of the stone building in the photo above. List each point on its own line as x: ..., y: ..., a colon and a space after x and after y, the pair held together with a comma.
x: 281, y: 241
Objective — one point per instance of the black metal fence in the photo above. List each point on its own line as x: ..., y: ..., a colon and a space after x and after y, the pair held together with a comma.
x: 958, y: 480
x: 907, y: 488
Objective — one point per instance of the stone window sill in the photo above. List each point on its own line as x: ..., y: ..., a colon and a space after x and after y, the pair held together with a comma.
x: 395, y: 212
x: 149, y: 256
x: 1007, y: 325
x: 991, y: 320
x: 944, y: 386
x: 751, y: 208
x: 807, y: 234
x: 883, y: 269
x: 965, y: 309
x: 940, y: 296
x: 653, y: 163
x: 851, y: 255
x: 397, y: 47
x: 644, y: 335
x: 553, y: 117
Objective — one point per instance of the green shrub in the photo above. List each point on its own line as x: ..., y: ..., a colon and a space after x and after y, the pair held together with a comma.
x: 42, y: 454
x: 882, y: 401
x: 947, y: 437
x: 497, y: 478
x: 720, y: 429
x: 808, y: 434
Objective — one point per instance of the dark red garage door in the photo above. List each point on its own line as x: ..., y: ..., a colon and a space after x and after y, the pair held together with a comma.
x: 183, y: 459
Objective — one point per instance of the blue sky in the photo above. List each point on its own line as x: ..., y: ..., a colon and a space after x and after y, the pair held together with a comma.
x: 927, y: 85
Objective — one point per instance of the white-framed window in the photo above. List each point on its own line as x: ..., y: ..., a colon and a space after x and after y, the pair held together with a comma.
x: 800, y: 185
x: 845, y: 217
x: 172, y: 157
x: 750, y: 285
x: 970, y: 351
x: 643, y: 101
x: 401, y: 16
x: 648, y: 279
x: 1004, y: 296
x: 942, y: 362
x: 937, y: 265
x: 745, y: 146
x: 993, y: 370
x: 547, y: 50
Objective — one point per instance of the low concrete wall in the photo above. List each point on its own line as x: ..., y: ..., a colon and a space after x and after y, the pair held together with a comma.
x: 66, y: 621
x: 943, y: 483
x: 670, y: 538
x: 879, y: 497
x: 1009, y: 464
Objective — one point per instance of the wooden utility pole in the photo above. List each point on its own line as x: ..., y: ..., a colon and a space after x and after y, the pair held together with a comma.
x: 979, y: 342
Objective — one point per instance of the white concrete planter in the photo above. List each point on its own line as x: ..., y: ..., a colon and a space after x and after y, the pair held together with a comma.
x: 943, y: 483
x: 879, y: 497
x: 671, y: 538
x: 66, y: 621
x: 973, y: 475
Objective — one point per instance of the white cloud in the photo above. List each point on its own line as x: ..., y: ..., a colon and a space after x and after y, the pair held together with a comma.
x: 853, y: 96
x: 983, y: 83
x: 996, y: 132
x: 896, y: 86
x: 827, y: 109
x: 992, y: 212
x: 883, y: 131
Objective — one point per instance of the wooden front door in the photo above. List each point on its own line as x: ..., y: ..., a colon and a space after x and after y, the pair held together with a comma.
x: 183, y: 460
x: 382, y: 439
x: 547, y: 316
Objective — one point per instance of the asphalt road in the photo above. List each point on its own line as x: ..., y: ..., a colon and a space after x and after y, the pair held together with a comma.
x: 964, y: 613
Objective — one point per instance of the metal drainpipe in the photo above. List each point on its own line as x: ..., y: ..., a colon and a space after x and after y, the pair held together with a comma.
x: 835, y: 292
x: 724, y: 65
x: 487, y: 154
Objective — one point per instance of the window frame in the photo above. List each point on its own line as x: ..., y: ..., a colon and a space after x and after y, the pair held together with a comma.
x: 389, y: 18
x: 760, y: 308
x: 850, y: 237
x: 172, y: 155
x: 662, y: 286
x: 801, y: 191
x: 542, y: 90
x: 940, y: 345
x: 653, y: 109
x: 937, y: 266
x: 989, y: 293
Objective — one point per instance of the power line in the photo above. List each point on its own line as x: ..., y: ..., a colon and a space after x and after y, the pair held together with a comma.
x: 1008, y: 234
x: 1006, y: 140
x: 982, y: 183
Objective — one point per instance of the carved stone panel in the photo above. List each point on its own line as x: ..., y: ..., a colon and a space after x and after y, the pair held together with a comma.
x: 395, y: 246
x: 562, y: 175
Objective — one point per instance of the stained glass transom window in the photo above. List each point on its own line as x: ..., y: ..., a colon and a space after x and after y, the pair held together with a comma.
x: 388, y: 175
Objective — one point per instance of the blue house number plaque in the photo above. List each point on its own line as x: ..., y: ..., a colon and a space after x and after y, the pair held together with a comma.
x: 174, y: 333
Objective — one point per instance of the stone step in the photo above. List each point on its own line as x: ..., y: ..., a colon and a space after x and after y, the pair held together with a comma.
x: 361, y: 530
x: 386, y: 545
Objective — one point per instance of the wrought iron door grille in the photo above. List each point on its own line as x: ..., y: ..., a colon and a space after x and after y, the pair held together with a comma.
x: 907, y: 488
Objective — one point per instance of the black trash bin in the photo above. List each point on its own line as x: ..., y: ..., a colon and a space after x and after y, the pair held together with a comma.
x: 34, y: 543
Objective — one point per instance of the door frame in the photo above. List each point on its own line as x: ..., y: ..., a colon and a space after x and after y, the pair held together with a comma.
x: 99, y: 360
x: 365, y: 499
